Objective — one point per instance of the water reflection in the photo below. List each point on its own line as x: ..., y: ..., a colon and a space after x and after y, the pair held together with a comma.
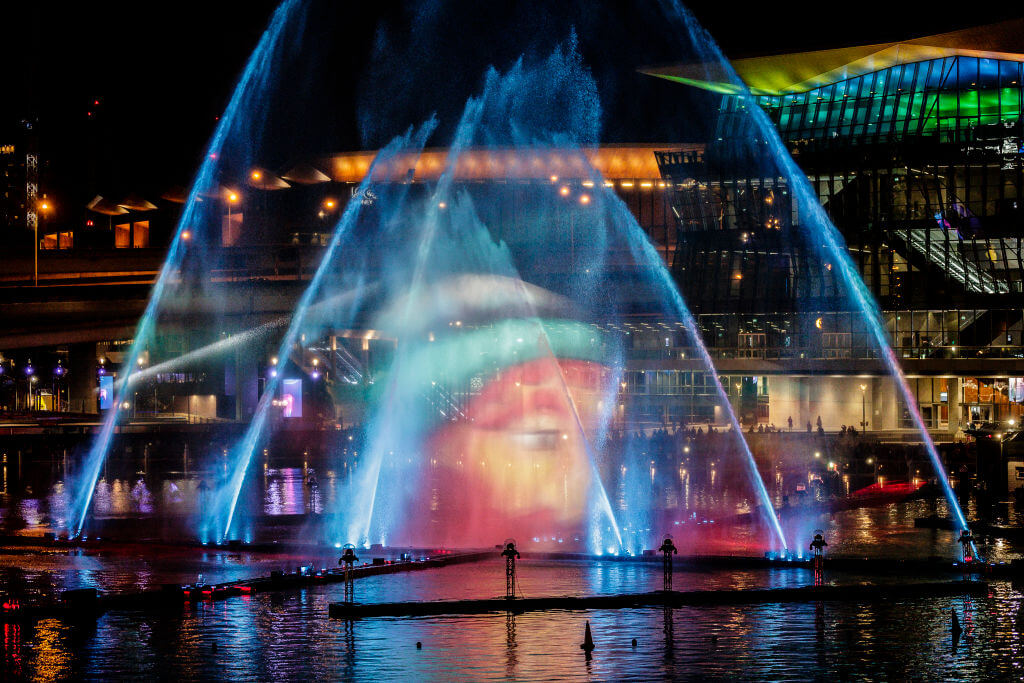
x: 289, y: 637
x: 283, y: 500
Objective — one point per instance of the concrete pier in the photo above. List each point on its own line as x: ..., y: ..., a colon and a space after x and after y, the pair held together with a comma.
x: 851, y: 593
x: 173, y: 596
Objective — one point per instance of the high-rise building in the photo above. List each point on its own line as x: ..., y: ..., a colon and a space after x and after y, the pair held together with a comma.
x: 19, y: 186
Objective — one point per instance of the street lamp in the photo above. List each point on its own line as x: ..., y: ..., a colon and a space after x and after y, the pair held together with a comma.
x: 863, y: 404
x: 29, y: 381
x: 59, y: 373
x: 44, y: 207
x: 232, y: 199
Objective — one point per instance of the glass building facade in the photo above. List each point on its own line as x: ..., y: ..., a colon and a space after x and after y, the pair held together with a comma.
x: 920, y: 167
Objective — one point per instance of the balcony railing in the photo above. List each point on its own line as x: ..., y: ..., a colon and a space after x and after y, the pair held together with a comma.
x: 826, y: 353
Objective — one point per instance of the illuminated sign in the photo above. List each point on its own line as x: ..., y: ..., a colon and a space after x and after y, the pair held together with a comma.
x: 106, y: 391
x: 291, y: 397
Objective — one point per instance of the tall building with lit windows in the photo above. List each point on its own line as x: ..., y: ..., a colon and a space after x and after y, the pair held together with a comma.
x: 19, y: 178
x: 915, y: 151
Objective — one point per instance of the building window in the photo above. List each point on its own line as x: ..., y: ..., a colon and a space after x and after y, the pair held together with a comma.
x: 122, y: 235
x: 140, y: 235
x: 66, y: 240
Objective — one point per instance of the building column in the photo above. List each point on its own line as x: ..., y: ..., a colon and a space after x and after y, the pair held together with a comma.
x: 246, y: 384
x: 81, y: 383
x: 953, y: 401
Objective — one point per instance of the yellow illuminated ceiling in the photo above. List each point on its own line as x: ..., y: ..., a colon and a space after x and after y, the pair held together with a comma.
x: 803, y: 71
x: 612, y: 162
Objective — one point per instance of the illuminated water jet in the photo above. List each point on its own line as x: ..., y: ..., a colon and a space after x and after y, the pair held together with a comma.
x: 226, y: 499
x: 824, y: 237
x: 254, y: 77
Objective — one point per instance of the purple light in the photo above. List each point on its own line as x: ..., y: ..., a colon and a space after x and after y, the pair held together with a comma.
x: 273, y: 372
x: 102, y: 371
x: 29, y: 370
x: 315, y: 375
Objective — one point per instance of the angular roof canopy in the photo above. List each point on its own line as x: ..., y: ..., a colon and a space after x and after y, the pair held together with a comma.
x: 304, y: 174
x: 105, y: 206
x: 134, y: 202
x: 177, y: 194
x: 803, y: 71
x: 262, y: 179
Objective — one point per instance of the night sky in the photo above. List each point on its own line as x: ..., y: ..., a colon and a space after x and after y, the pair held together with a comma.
x: 162, y: 72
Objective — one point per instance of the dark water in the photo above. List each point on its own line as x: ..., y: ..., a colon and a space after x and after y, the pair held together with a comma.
x: 289, y: 637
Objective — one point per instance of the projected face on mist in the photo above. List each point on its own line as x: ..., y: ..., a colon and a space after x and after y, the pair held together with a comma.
x: 489, y: 414
x: 518, y: 462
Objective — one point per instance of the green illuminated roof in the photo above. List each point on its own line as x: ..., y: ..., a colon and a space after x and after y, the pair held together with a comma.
x: 803, y: 71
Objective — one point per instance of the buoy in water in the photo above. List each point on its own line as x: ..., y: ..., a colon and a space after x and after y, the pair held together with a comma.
x: 957, y: 629
x: 634, y: 642
x: 419, y: 645
x: 588, y: 640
